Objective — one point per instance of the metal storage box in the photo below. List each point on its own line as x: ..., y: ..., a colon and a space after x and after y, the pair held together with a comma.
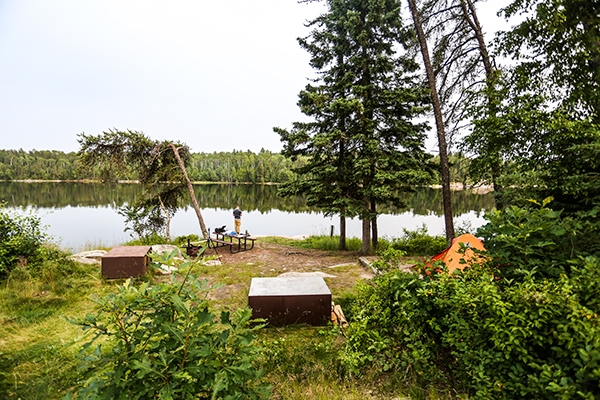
x: 290, y: 300
x: 125, y: 262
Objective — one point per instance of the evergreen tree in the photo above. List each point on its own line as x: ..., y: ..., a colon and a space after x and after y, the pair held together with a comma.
x: 362, y: 146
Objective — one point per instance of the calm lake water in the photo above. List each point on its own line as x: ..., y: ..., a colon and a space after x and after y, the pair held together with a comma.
x: 81, y: 215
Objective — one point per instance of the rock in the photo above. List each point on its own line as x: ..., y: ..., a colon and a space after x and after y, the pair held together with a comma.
x: 88, y: 257
x: 165, y: 269
x: 165, y: 248
x: 300, y: 274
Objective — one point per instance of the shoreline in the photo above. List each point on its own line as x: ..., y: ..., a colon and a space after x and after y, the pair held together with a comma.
x: 482, y: 189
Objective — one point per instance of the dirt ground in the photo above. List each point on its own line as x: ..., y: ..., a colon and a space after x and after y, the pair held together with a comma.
x: 286, y: 257
x: 341, y: 270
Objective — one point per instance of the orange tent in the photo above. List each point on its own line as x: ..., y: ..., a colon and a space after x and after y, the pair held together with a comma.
x: 452, y: 257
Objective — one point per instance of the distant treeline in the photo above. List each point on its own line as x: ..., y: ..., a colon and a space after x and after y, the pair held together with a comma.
x: 262, y: 198
x: 236, y: 166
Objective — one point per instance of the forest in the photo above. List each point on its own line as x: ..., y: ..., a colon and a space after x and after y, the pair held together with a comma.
x: 221, y: 167
x: 230, y: 167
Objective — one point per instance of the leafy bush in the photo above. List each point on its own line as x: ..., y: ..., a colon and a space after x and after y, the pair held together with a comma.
x: 162, y: 341
x: 183, y: 240
x: 388, y: 259
x: 528, y: 340
x: 539, y: 241
x: 21, y: 239
x: 419, y: 243
x: 490, y: 336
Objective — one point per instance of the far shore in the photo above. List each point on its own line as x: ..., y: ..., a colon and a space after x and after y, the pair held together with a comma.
x: 479, y: 189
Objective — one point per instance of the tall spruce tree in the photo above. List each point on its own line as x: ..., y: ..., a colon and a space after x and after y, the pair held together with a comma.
x: 362, y: 143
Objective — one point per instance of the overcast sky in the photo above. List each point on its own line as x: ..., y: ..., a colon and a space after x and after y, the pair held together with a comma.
x: 217, y: 75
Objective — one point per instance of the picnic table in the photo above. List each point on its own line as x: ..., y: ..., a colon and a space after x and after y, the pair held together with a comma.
x: 235, y: 242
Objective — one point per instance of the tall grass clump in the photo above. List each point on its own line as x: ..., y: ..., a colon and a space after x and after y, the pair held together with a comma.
x: 148, y: 240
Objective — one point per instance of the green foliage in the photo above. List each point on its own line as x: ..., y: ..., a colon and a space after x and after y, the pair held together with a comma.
x: 242, y: 167
x: 183, y: 240
x: 528, y: 340
x: 485, y: 335
x: 148, y: 240
x: 362, y: 144
x: 39, y: 164
x: 557, y: 41
x: 21, y: 240
x: 234, y: 166
x: 162, y: 341
x: 419, y: 243
x: 388, y: 259
x: 541, y: 132
x: 538, y: 241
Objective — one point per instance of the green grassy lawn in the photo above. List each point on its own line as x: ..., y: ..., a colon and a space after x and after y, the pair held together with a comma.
x: 39, y: 347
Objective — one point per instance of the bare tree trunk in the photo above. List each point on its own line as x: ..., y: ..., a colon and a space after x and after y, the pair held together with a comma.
x: 439, y: 122
x: 366, y: 231
x: 191, y: 190
x: 374, y: 231
x: 366, y: 237
x: 342, y: 232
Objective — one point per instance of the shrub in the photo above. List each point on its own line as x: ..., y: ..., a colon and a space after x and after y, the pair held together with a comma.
x: 330, y: 243
x: 539, y: 241
x: 182, y: 241
x: 21, y: 238
x: 419, y: 243
x: 490, y: 336
x: 148, y: 240
x: 162, y: 341
x: 527, y: 340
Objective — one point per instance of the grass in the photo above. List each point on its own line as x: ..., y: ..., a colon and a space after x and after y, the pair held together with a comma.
x: 38, y: 346
x: 327, y: 243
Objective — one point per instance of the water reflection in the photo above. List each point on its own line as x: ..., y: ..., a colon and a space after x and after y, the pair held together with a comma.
x: 85, y: 214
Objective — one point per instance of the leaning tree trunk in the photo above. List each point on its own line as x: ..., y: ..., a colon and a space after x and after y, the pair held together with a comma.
x: 191, y: 190
x: 439, y: 122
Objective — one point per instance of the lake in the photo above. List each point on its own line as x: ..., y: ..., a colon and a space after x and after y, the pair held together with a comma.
x: 83, y: 215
